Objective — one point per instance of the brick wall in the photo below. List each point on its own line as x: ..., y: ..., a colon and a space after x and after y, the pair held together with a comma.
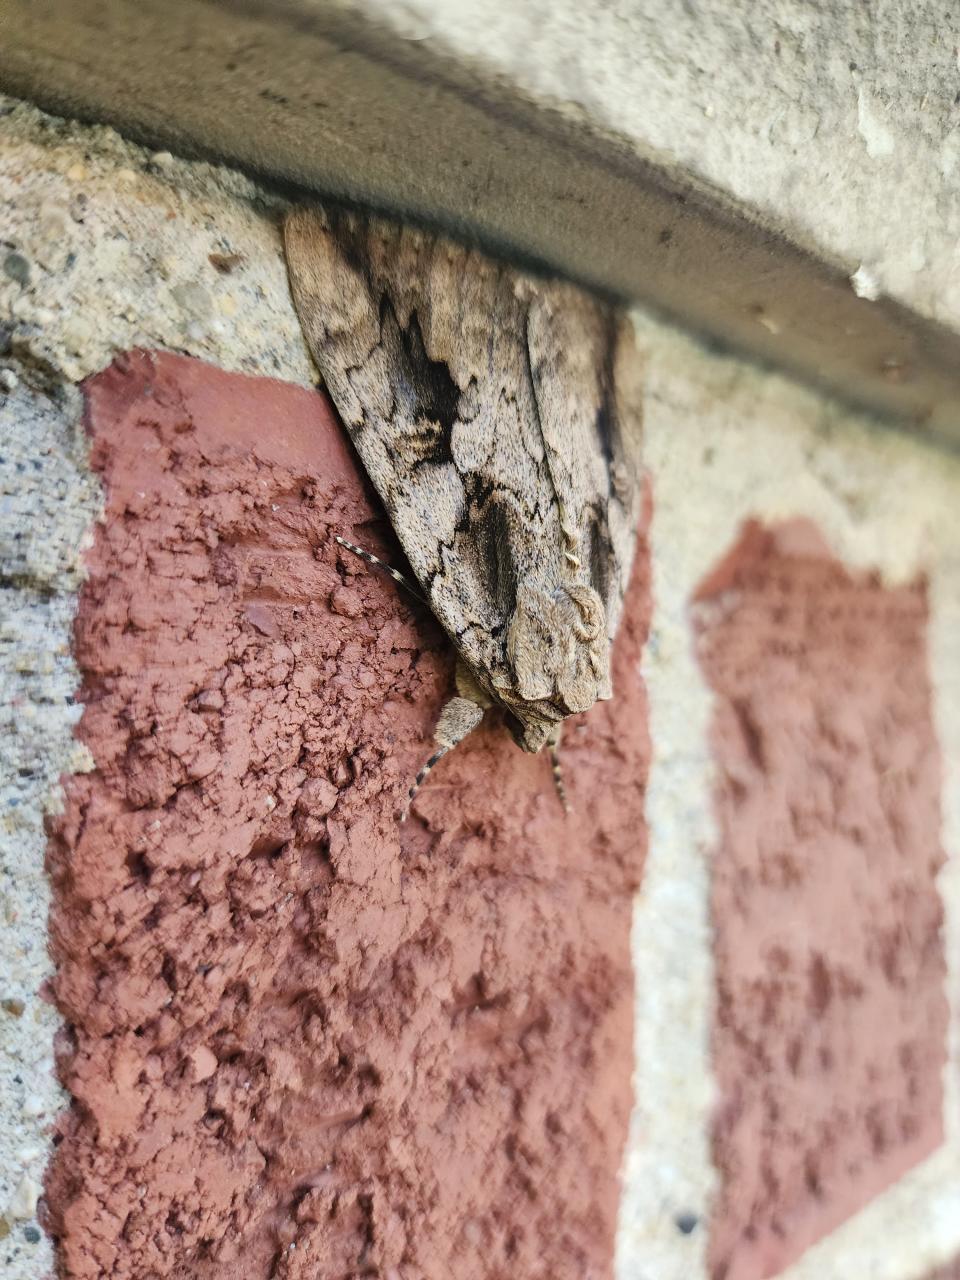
x: 298, y: 1042
x: 795, y: 936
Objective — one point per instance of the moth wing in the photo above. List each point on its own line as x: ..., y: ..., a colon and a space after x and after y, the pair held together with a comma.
x: 485, y: 408
x: 419, y: 341
x: 586, y: 376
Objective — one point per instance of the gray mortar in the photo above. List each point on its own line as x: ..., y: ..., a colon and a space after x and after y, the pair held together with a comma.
x: 48, y: 500
x: 103, y: 247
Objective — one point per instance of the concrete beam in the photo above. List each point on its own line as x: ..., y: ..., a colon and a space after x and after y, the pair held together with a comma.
x: 320, y: 97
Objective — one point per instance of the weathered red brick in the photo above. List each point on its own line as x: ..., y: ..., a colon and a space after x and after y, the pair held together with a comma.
x: 831, y: 1017
x: 306, y: 1041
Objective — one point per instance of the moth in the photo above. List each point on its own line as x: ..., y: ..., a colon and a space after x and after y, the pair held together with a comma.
x: 497, y: 415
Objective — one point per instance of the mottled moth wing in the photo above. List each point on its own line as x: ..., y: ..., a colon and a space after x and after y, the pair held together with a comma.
x: 587, y: 381
x: 490, y: 410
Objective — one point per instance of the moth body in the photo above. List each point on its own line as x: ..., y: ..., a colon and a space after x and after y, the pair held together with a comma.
x: 492, y: 412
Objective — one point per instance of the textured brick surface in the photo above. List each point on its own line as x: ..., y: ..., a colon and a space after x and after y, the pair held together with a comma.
x: 830, y: 1021
x: 306, y: 1041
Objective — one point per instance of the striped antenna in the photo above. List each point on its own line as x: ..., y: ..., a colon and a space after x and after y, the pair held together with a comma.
x: 380, y: 564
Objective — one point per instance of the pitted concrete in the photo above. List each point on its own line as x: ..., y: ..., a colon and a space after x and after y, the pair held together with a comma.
x: 48, y: 502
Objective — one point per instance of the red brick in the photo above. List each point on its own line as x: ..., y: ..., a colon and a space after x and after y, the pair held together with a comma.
x: 831, y: 1019
x: 404, y: 1050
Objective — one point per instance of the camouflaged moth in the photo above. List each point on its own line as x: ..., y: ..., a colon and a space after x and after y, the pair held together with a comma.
x: 496, y: 414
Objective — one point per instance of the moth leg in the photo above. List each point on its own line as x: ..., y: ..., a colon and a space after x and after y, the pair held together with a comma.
x: 553, y: 744
x: 380, y: 564
x: 458, y: 717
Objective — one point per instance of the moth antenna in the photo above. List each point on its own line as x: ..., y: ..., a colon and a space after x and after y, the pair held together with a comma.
x: 458, y: 717
x: 381, y: 564
x: 558, y: 773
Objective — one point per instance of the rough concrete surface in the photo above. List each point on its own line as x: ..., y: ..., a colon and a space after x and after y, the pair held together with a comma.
x: 106, y: 246
x: 829, y: 1036
x: 838, y: 123
x: 304, y: 1040
x: 47, y: 502
x: 726, y: 443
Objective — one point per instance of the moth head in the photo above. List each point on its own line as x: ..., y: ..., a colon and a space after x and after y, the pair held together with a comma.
x: 559, y: 652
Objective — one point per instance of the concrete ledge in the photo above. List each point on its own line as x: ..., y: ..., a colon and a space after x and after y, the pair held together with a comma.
x: 310, y: 94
